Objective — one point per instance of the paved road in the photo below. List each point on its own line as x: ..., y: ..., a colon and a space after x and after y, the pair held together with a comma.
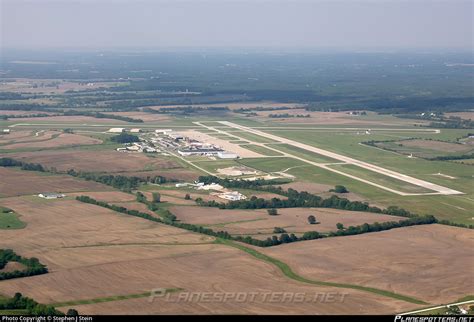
x: 437, y: 189
x: 435, y: 308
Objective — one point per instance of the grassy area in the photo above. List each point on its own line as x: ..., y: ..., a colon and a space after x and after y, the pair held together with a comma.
x: 261, y: 150
x: 252, y: 137
x: 111, y: 298
x: 307, y: 155
x: 10, y: 220
x: 288, y: 272
x: 381, y: 179
x: 271, y: 164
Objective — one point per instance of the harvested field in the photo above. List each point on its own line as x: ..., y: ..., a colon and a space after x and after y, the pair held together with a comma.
x: 463, y: 115
x: 410, y: 260
x: 98, y: 249
x: 19, y: 182
x: 27, y: 137
x: 294, y: 220
x: 200, y: 268
x: 12, y: 266
x: 226, y: 145
x: 307, y: 186
x: 174, y: 198
x: 57, y: 225
x: 91, y: 161
x: 61, y: 140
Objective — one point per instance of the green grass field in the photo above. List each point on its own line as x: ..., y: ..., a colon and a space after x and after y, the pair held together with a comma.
x: 10, y: 220
x: 261, y: 150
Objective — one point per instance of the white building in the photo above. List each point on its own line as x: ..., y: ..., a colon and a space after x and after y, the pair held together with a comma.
x: 232, y: 196
x: 135, y: 130
x: 51, y: 195
x: 226, y: 155
x: 163, y: 131
x: 6, y: 131
x: 116, y: 130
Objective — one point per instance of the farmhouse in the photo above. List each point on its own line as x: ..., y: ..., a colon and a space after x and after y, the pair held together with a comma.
x: 51, y: 195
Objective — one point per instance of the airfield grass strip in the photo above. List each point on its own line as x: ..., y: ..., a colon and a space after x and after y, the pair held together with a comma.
x: 111, y: 298
x: 288, y: 272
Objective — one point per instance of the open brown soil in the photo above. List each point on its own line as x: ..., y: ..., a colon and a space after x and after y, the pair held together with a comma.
x: 16, y: 182
x: 411, y: 260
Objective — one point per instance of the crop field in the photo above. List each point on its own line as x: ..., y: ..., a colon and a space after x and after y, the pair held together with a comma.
x: 260, y: 225
x: 59, y: 140
x: 383, y: 260
x: 91, y: 161
x: 81, y: 243
x: 16, y: 183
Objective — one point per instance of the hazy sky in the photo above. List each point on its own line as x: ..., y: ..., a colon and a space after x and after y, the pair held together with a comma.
x: 348, y: 24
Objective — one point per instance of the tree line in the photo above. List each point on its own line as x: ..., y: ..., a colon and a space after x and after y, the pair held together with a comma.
x: 9, y: 162
x: 296, y: 199
x: 171, y: 220
x: 30, y: 306
x: 33, y: 265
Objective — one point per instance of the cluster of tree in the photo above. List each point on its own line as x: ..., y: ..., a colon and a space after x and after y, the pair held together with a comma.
x: 9, y: 162
x: 125, y: 138
x: 123, y: 210
x: 103, y: 116
x: 286, y: 115
x: 450, y: 223
x: 120, y: 182
x: 367, y: 228
x: 31, y: 307
x: 450, y: 123
x: 32, y: 265
x: 245, y: 110
x: 28, y: 107
x: 299, y: 200
x: 17, y: 116
x: 339, y: 189
x: 11, y: 96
